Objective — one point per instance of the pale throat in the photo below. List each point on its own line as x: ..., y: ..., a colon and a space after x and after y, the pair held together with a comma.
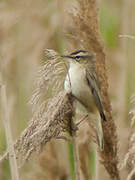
x: 74, y: 75
x: 76, y: 79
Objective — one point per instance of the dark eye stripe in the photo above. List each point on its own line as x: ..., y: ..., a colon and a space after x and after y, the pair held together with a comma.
x: 77, y: 57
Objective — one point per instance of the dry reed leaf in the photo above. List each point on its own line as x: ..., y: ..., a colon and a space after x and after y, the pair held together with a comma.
x: 85, y: 34
x: 132, y: 111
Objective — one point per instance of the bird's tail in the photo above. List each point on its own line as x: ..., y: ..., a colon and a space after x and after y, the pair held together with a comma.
x: 96, y: 117
x: 100, y: 133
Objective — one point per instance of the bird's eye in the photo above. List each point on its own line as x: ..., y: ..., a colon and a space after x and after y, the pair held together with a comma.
x: 77, y: 58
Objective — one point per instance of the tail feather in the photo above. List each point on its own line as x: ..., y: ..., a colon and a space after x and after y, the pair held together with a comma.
x: 99, y: 129
x: 101, y: 141
x: 100, y: 132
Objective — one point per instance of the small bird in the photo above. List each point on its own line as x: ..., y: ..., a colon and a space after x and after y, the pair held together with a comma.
x: 83, y: 82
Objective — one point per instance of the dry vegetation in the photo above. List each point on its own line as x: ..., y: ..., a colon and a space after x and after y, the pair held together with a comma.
x: 51, y: 116
x: 27, y: 29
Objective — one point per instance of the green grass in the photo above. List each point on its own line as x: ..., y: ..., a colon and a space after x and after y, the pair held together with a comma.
x: 92, y: 163
x: 6, y: 168
x: 71, y: 160
x: 109, y: 25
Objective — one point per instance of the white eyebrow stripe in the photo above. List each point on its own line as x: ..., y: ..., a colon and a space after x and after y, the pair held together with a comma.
x: 80, y: 54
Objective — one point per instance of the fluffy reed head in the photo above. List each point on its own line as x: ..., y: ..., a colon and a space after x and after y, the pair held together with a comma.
x: 52, y: 110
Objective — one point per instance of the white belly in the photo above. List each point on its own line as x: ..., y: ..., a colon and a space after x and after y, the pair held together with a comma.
x: 76, y: 82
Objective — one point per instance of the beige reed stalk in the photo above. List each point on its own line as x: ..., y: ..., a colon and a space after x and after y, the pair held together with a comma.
x: 76, y: 158
x: 6, y: 123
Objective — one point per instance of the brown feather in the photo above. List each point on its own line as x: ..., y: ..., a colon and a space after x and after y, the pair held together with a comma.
x: 95, y: 89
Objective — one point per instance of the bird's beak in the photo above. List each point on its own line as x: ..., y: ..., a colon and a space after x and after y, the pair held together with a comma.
x: 67, y: 57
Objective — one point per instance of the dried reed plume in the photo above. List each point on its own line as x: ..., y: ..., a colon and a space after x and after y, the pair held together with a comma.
x: 85, y: 34
x: 53, y: 121
x: 49, y: 80
x: 50, y: 119
x: 129, y: 159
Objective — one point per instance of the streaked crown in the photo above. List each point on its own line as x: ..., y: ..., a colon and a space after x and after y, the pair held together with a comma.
x: 81, y: 53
